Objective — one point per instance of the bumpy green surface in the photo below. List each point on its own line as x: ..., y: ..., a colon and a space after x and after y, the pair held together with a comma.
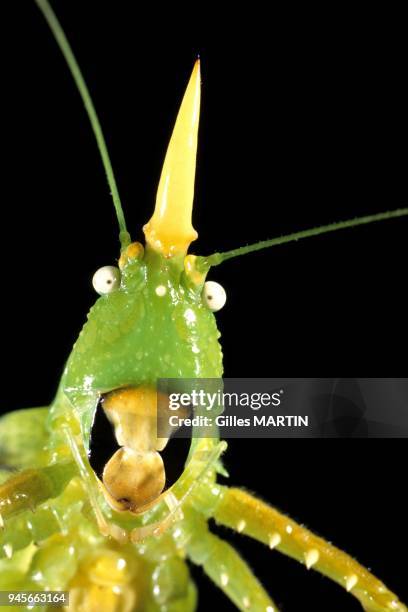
x: 133, y: 336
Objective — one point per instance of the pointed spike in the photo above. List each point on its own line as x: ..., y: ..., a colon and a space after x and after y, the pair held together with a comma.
x: 311, y: 557
x: 351, y: 582
x: 274, y: 540
x: 170, y: 231
x: 8, y: 550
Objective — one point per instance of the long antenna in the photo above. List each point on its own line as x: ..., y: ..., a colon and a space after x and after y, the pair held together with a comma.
x: 67, y: 52
x: 217, y: 258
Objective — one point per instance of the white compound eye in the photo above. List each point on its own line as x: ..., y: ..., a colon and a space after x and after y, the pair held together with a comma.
x: 106, y: 279
x: 214, y: 295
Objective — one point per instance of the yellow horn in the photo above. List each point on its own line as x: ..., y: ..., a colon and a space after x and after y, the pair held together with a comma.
x: 170, y: 231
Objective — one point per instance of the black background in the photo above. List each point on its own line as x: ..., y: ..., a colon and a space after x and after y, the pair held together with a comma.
x: 303, y: 122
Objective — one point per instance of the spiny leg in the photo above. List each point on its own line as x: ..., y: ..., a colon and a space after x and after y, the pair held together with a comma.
x: 246, y: 514
x: 228, y: 570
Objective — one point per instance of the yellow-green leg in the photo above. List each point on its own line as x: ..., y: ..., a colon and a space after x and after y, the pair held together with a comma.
x: 228, y: 570
x: 246, y: 514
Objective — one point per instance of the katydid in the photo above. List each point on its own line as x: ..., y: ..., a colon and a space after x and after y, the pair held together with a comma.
x: 120, y: 540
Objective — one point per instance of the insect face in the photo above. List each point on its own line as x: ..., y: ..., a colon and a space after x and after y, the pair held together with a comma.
x: 154, y: 324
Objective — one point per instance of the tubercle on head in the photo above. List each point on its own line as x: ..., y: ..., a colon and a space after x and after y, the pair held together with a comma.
x: 195, y: 270
x: 191, y: 270
x: 133, y: 251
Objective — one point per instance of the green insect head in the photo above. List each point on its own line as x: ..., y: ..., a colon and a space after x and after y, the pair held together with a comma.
x: 154, y: 319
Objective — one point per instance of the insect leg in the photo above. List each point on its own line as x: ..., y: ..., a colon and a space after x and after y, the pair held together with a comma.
x: 29, y: 488
x: 228, y: 570
x: 173, y: 589
x: 246, y: 514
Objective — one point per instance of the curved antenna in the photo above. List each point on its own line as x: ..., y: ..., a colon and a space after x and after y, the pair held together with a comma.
x: 67, y: 52
x: 217, y: 258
